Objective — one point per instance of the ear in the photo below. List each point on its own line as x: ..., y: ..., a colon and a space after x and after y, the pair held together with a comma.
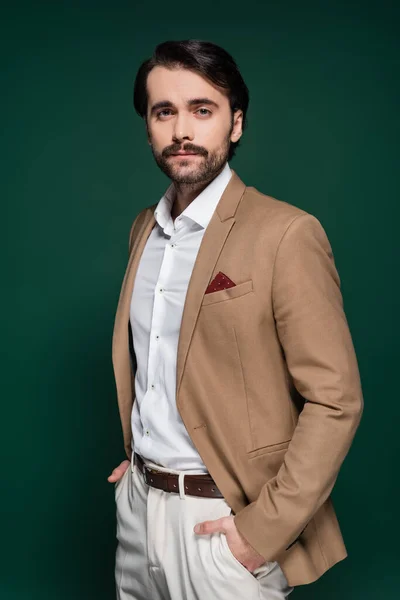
x: 237, y: 126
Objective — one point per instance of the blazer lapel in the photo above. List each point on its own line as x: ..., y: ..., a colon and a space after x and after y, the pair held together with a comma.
x: 211, y: 245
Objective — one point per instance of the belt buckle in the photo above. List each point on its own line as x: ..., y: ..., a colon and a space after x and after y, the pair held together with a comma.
x: 146, y: 471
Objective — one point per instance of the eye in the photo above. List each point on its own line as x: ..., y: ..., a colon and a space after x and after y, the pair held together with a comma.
x: 162, y: 113
x: 205, y: 112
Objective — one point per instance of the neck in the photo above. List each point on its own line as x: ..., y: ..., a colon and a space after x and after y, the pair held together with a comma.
x: 185, y: 193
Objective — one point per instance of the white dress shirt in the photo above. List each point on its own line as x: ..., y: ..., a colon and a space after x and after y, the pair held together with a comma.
x: 158, y: 298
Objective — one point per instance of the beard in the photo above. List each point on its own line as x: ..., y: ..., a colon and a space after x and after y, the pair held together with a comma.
x: 200, y: 171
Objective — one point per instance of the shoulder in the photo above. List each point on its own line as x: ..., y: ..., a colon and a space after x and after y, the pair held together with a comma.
x: 277, y: 217
x: 277, y: 221
x: 267, y: 207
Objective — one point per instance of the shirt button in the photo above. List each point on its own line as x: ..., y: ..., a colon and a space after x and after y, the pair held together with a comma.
x: 152, y: 386
x: 161, y: 289
x: 157, y: 337
x: 147, y: 432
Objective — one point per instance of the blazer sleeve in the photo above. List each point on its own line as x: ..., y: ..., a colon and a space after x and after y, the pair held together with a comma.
x: 314, y: 334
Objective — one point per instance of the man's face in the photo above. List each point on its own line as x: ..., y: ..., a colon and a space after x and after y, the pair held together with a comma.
x: 190, y: 125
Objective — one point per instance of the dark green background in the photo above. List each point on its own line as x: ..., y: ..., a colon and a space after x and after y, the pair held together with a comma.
x: 323, y: 135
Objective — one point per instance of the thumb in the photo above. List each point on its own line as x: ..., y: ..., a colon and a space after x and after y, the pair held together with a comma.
x: 210, y: 526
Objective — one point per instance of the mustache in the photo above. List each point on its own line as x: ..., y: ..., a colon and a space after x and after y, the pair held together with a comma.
x: 173, y: 149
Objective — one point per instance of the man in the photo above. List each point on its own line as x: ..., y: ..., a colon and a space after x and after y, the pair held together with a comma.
x: 237, y: 381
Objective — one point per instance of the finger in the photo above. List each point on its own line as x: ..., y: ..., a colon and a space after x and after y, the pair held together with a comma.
x: 210, y: 526
x: 118, y: 471
x: 124, y: 465
x: 115, y: 475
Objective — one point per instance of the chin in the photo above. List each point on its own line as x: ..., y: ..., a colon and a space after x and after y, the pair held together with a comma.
x: 185, y: 169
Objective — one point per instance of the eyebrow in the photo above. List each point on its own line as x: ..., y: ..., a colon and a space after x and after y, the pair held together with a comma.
x: 191, y: 102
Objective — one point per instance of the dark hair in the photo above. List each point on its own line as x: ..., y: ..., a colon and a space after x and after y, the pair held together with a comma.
x: 206, y: 59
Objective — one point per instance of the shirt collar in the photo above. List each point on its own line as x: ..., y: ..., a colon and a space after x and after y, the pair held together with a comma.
x: 201, y: 209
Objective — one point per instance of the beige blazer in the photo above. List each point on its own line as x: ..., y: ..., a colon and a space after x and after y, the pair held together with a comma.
x: 268, y: 385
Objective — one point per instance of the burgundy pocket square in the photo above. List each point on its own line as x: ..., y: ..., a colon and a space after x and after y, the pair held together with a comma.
x: 220, y: 282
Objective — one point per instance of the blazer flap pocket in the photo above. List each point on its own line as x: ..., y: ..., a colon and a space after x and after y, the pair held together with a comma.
x: 268, y: 449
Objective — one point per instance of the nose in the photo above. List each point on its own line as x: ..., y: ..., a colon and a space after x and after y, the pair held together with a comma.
x: 182, y: 129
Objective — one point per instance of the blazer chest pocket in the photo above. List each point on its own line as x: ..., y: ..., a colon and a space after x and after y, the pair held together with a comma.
x: 229, y: 293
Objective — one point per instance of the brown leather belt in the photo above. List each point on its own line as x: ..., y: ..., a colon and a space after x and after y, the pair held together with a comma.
x: 195, y: 485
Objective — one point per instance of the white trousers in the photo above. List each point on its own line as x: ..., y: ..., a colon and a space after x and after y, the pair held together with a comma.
x: 159, y: 557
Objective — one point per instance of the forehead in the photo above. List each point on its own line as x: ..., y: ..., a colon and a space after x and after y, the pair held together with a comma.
x: 178, y: 85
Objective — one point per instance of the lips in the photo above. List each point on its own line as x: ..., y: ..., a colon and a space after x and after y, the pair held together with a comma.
x: 184, y: 154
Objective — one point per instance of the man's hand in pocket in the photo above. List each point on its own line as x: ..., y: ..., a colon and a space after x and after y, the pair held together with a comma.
x: 238, y: 545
